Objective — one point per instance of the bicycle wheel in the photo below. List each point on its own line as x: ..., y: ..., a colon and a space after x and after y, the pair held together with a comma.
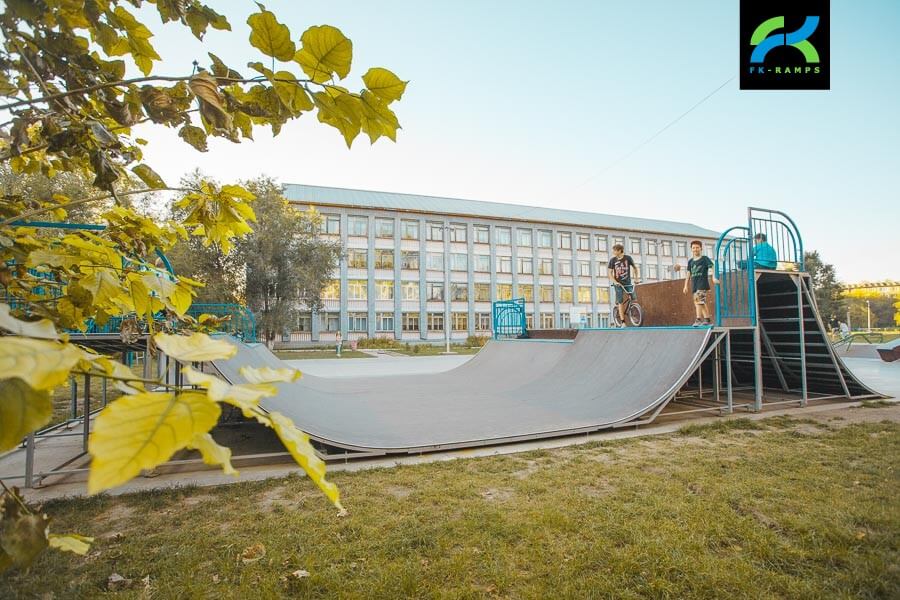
x: 616, y: 319
x: 635, y: 314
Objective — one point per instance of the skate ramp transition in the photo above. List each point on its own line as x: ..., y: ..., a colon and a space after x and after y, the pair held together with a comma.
x: 511, y: 390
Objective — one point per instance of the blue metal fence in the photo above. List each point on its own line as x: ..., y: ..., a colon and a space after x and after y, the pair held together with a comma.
x: 241, y: 322
x: 781, y: 233
x: 734, y: 270
x: 509, y: 318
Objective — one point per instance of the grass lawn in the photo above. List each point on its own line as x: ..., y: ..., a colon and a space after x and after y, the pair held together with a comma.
x: 739, y: 509
x: 428, y: 350
x: 61, y: 396
x: 309, y: 354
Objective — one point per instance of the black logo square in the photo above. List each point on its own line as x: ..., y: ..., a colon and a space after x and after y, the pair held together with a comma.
x: 785, y: 45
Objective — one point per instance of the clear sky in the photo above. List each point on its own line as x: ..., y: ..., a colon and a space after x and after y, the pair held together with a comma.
x: 537, y: 102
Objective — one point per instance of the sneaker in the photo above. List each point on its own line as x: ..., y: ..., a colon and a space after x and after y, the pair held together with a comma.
x: 707, y: 322
x: 697, y: 323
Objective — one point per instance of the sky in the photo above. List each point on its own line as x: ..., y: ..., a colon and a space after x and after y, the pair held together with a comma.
x: 544, y: 103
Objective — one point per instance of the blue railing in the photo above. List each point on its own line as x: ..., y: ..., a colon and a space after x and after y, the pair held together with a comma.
x: 781, y: 234
x: 734, y: 270
x: 241, y: 322
x: 509, y: 318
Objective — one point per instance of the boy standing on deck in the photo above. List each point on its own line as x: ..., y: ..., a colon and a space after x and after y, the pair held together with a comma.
x: 698, y: 274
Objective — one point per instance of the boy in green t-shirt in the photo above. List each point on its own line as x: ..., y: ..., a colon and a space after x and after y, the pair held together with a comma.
x: 698, y: 274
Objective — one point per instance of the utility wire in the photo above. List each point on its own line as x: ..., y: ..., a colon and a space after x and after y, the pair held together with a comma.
x: 653, y: 137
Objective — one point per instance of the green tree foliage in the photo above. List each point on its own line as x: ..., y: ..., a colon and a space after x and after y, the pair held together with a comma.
x: 827, y: 288
x: 69, y: 104
x: 287, y: 262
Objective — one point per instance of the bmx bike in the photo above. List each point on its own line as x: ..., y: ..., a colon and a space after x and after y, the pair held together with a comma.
x: 634, y: 314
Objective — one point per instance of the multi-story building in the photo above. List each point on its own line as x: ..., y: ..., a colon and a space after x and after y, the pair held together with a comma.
x: 421, y: 267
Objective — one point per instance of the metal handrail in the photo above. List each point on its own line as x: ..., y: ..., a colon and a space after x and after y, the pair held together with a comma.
x: 503, y: 325
x: 724, y: 258
x: 786, y: 225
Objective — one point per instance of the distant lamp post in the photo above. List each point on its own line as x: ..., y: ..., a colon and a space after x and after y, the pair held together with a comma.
x: 868, y: 316
x: 447, y: 299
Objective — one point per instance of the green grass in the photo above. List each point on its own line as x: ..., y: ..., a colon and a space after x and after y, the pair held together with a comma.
x: 311, y: 354
x: 429, y: 350
x: 876, y: 403
x: 738, y: 512
x: 61, y: 396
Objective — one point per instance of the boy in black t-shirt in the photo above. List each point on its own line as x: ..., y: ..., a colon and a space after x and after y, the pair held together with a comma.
x: 620, y: 267
x: 698, y: 274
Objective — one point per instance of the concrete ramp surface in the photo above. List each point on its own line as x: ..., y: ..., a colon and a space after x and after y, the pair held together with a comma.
x: 510, y: 390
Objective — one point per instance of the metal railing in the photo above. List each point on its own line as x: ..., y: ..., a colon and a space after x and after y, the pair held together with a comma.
x: 241, y: 324
x: 781, y: 234
x: 734, y: 270
x: 509, y: 318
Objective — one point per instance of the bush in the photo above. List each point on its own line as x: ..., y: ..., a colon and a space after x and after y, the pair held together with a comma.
x: 477, y: 341
x: 378, y: 343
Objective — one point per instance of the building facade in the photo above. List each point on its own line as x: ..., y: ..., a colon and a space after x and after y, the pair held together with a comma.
x: 420, y: 268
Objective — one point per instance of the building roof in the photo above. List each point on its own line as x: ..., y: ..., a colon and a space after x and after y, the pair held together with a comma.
x: 329, y: 196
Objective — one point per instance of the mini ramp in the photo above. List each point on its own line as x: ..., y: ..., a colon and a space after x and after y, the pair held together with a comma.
x: 511, y: 390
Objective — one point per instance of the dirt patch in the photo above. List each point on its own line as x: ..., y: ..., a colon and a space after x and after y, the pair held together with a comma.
x: 497, y: 495
x: 269, y: 499
x: 198, y: 499
x: 398, y: 491
x: 531, y: 467
x: 842, y: 417
x: 599, y: 489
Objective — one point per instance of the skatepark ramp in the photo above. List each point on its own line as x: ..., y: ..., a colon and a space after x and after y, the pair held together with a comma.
x: 511, y: 390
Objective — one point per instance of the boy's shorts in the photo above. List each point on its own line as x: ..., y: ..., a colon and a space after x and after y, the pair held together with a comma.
x: 700, y: 297
x: 620, y: 293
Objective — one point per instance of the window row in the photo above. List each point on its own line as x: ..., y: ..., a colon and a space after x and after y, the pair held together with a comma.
x: 357, y: 289
x: 434, y: 321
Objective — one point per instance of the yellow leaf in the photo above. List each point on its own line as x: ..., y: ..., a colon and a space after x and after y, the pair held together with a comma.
x: 125, y: 377
x: 151, y: 177
x: 77, y: 544
x: 384, y: 84
x: 103, y: 285
x: 42, y: 364
x: 269, y: 375
x: 145, y: 430
x: 175, y: 296
x: 213, y: 453
x: 325, y: 51
x: 297, y: 443
x: 291, y: 94
x: 194, y: 347
x: 244, y: 396
x: 22, y: 410
x: 34, y: 329
x: 270, y: 36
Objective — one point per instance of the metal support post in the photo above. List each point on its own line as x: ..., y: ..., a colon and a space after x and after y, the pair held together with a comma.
x: 757, y: 370
x: 717, y: 371
x: 86, y: 425
x: 104, y: 395
x: 728, y: 371
x: 29, y: 460
x: 73, y: 388
x: 801, y: 312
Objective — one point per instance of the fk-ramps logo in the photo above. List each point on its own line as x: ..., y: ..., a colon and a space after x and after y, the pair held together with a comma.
x: 785, y: 45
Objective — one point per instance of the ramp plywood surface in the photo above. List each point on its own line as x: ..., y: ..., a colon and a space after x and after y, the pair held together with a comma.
x: 511, y: 389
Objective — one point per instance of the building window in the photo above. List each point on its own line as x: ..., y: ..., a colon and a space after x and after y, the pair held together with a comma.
x: 710, y: 251
x: 435, y: 261
x: 459, y: 262
x: 304, y: 323
x: 409, y: 230
x: 545, y: 267
x: 332, y: 290
x: 457, y: 232
x: 666, y: 272
x: 435, y: 321
x: 529, y: 320
x: 565, y: 293
x: 526, y: 265
x: 565, y: 241
x: 409, y: 259
x: 358, y: 226
x: 602, y: 268
x: 523, y: 238
x: 619, y: 241
x: 545, y: 239
x: 527, y: 292
x: 483, y: 321
x: 584, y: 268
x: 651, y: 247
x: 564, y: 320
x: 482, y: 292
x: 589, y: 320
x: 482, y: 234
x: 329, y: 322
x: 584, y: 294
x: 546, y: 320
x: 603, y: 319
x: 504, y: 291
x: 584, y: 241
x: 357, y: 289
x: 410, y: 290
x: 384, y: 228
x: 504, y: 264
x: 331, y: 225
x: 384, y: 258
x: 410, y: 321
x: 482, y: 263
x: 356, y: 259
x: 635, y: 246
x: 384, y: 321
x: 602, y: 295
x: 434, y: 291
x: 667, y: 248
x: 546, y: 293
x: 565, y: 268
x: 434, y: 232
x: 384, y: 290
x: 601, y: 242
x: 503, y: 236
x: 652, y: 272
x: 459, y: 292
x: 681, y: 248
x: 358, y: 321
x: 460, y: 321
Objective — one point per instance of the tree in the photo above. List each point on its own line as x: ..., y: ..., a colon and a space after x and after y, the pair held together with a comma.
x: 287, y: 263
x: 69, y: 105
x: 826, y: 287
